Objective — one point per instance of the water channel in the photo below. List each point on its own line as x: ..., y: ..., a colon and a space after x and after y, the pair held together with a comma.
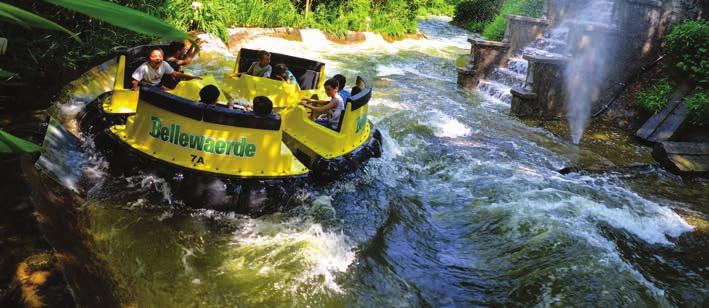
x: 465, y: 207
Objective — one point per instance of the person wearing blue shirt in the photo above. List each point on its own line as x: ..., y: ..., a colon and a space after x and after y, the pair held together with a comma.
x: 342, y: 82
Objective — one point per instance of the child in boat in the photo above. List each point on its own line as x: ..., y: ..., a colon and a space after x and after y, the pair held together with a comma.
x: 179, y: 56
x: 342, y: 82
x: 282, y: 73
x: 151, y: 72
x: 332, y: 108
x: 262, y: 106
x: 209, y: 95
x: 261, y: 68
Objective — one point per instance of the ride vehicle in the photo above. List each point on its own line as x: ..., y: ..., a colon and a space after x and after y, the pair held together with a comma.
x: 250, y: 157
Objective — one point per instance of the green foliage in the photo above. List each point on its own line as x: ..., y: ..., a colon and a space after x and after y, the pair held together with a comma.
x: 394, y: 18
x: 123, y: 17
x: 698, y: 106
x: 330, y: 18
x: 216, y: 16
x: 496, y: 29
x: 5, y: 75
x: 655, y: 98
x: 281, y: 13
x: 390, y: 17
x: 688, y: 44
x: 474, y: 15
x: 437, y: 7
x: 207, y: 16
x: 12, y: 14
x: 12, y: 144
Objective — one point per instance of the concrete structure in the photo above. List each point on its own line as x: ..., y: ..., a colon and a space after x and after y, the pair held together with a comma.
x: 522, y: 30
x: 543, y: 96
x: 484, y: 57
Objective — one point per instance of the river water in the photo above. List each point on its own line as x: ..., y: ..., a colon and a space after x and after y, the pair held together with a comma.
x: 465, y: 207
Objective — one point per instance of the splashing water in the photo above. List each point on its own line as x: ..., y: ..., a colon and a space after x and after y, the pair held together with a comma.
x: 464, y: 208
x: 586, y: 70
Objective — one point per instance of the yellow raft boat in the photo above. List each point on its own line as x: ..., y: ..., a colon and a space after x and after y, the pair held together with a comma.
x: 192, y: 142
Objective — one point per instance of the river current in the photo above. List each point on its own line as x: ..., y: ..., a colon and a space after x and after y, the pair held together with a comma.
x: 465, y: 207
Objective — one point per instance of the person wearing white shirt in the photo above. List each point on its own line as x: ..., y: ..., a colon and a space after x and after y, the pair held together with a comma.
x: 151, y: 72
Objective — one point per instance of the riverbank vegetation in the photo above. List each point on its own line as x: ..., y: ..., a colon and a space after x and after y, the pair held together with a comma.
x: 687, y: 48
x: 388, y: 17
x: 487, y: 17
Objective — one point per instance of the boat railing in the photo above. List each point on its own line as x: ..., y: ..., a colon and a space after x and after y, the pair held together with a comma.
x: 208, y: 113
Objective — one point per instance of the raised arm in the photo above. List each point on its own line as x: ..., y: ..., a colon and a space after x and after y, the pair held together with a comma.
x: 183, y: 76
x: 325, y: 107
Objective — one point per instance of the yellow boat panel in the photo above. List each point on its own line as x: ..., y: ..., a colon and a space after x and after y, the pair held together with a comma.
x: 190, y: 89
x: 208, y: 147
x: 122, y: 101
x: 282, y: 94
x: 326, y: 142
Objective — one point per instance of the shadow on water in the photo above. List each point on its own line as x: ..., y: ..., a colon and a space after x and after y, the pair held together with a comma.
x: 62, y: 222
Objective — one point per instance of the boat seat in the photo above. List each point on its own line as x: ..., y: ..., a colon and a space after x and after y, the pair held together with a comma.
x: 309, y: 80
x: 298, y: 66
x: 206, y: 113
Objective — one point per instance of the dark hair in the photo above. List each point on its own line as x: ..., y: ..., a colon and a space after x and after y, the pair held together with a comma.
x: 332, y: 83
x: 150, y: 52
x: 278, y: 70
x: 263, y: 53
x: 209, y: 94
x: 175, y: 46
x: 341, y: 80
x: 262, y: 106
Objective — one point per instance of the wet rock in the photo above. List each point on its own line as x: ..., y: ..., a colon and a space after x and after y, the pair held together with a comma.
x: 39, y: 282
x: 322, y: 210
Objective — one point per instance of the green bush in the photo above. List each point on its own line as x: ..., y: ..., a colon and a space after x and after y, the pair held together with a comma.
x: 207, y: 16
x: 474, y: 15
x: 698, y: 106
x: 389, y: 17
x: 393, y: 17
x: 655, y: 98
x: 496, y: 29
x: 280, y: 13
x: 688, y: 44
x: 437, y: 7
x: 330, y: 18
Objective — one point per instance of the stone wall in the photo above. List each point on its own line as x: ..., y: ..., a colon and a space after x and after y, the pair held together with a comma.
x: 485, y: 56
x: 543, y: 96
x: 522, y: 30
